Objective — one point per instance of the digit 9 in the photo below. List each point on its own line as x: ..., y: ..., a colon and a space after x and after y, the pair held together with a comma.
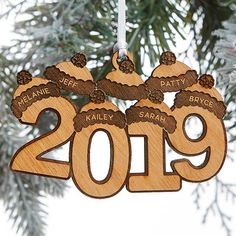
x: 213, y: 142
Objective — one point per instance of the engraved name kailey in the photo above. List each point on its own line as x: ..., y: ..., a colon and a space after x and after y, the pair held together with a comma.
x: 173, y: 83
x: 99, y: 117
x: 201, y: 101
x: 36, y: 94
x: 152, y: 116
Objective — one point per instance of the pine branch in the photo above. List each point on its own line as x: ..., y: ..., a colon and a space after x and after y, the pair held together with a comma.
x: 225, y: 49
x: 215, y: 208
x: 197, y: 195
x: 21, y: 194
x: 24, y: 207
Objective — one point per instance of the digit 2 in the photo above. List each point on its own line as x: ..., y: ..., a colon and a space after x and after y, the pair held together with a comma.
x: 28, y: 159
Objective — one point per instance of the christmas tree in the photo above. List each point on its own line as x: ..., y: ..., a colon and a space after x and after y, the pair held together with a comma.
x: 51, y: 31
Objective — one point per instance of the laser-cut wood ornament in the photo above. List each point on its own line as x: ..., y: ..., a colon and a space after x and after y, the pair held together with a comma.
x: 72, y: 75
x: 171, y: 75
x: 100, y: 115
x: 150, y: 117
x: 203, y: 101
x: 32, y: 97
x: 123, y: 82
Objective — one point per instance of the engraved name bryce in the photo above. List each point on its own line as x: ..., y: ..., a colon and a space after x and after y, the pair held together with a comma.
x: 204, y: 100
x: 201, y: 101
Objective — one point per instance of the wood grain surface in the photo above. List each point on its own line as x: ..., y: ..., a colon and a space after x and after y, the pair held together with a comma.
x: 149, y: 118
x: 155, y: 178
x: 212, y: 142
x: 119, y: 151
x: 28, y: 159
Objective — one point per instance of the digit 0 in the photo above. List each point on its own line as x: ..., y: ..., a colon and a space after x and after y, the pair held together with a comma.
x: 89, y: 121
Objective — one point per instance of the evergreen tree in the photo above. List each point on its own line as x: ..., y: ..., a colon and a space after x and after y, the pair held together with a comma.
x: 52, y: 31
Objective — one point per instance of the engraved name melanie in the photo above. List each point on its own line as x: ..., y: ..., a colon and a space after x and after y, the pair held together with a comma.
x: 36, y: 94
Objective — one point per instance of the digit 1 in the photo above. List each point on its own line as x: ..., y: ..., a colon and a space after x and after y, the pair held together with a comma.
x: 213, y: 142
x: 154, y: 179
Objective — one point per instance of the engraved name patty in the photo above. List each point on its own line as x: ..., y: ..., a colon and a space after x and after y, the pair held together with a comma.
x: 31, y: 95
x: 204, y: 100
x: 69, y: 83
x: 174, y: 83
x: 123, y: 91
x: 155, y: 116
x: 99, y: 116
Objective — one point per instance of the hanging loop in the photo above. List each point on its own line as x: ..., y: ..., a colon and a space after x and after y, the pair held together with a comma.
x: 121, y: 44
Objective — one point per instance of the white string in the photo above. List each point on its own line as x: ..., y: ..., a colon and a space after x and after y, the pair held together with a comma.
x: 121, y: 44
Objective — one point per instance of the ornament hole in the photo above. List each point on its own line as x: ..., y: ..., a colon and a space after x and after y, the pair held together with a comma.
x: 194, y: 128
x: 101, y: 155
x: 138, y: 154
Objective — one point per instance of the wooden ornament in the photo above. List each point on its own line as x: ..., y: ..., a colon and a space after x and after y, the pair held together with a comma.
x: 123, y: 82
x: 205, y: 102
x: 72, y: 75
x: 100, y: 115
x: 32, y: 97
x: 171, y: 75
x: 150, y: 120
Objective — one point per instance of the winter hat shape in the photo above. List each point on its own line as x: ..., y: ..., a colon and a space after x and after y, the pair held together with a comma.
x: 72, y: 75
x: 204, y: 102
x: 123, y: 82
x: 150, y: 118
x: 29, y: 92
x: 100, y: 115
x: 99, y: 111
x: 31, y: 99
x: 203, y: 95
x: 171, y: 75
x: 152, y: 110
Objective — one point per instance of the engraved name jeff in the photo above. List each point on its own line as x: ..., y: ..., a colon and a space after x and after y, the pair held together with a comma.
x: 78, y: 86
x: 68, y: 82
